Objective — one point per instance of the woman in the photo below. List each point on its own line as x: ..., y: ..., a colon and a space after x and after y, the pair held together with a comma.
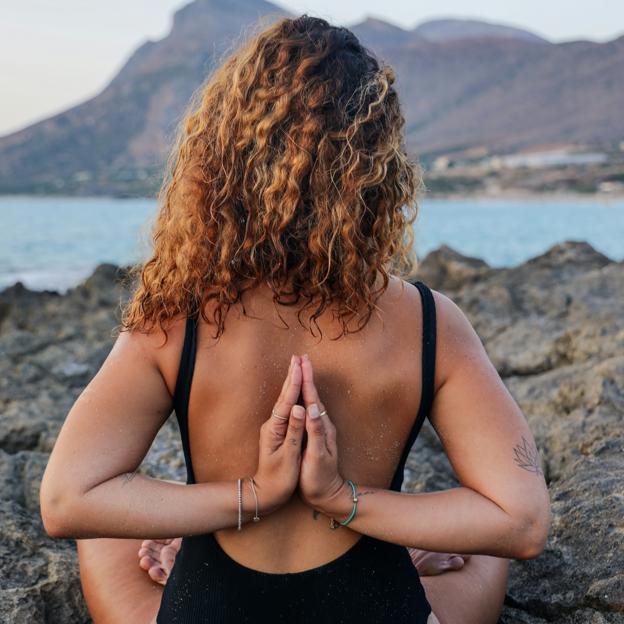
x: 285, y: 229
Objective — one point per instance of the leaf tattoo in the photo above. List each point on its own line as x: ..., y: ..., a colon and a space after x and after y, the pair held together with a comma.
x: 526, y: 457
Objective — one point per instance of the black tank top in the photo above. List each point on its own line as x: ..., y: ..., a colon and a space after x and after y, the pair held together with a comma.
x: 373, y: 581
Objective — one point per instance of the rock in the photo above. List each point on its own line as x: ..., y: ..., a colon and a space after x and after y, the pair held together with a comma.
x: 448, y: 269
x: 39, y: 581
x: 584, y: 559
x: 552, y: 326
x: 101, y: 289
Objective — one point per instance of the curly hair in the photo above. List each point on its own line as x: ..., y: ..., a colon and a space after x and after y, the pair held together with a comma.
x: 289, y: 171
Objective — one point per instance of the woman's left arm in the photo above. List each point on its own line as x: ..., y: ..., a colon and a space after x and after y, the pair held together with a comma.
x: 90, y: 487
x: 501, y: 507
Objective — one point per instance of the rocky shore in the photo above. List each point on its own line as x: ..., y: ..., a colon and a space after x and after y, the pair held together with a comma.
x: 554, y: 328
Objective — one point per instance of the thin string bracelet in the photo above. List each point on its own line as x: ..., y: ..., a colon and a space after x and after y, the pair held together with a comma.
x: 334, y: 524
x: 256, y: 517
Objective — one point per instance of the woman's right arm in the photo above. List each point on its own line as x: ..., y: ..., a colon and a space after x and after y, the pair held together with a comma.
x: 90, y: 487
x: 502, y: 506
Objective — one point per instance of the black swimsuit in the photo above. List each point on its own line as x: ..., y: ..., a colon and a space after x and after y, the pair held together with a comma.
x: 372, y: 582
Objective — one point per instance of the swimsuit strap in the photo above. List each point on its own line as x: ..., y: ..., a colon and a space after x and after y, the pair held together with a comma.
x: 183, y: 390
x: 428, y: 377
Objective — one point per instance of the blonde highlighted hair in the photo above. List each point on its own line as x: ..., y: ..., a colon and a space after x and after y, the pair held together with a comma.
x: 290, y: 170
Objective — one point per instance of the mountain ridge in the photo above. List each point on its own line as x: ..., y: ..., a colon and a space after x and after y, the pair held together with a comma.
x: 497, y: 86
x: 444, y: 29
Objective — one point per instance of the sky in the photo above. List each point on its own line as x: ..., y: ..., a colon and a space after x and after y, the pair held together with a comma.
x: 57, y: 53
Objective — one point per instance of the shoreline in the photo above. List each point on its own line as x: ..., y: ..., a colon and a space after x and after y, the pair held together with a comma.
x: 520, y: 196
x: 515, y: 228
x: 510, y: 194
x: 88, y: 272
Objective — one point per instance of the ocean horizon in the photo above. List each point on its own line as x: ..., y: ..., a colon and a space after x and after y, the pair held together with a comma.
x: 53, y: 243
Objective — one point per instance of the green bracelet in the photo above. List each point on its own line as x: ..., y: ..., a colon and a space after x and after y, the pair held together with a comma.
x: 334, y: 524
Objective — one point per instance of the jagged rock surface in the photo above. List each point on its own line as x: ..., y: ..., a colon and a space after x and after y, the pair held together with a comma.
x: 553, y: 327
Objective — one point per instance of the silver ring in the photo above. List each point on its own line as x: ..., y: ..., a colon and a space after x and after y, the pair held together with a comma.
x: 284, y: 418
x: 323, y: 413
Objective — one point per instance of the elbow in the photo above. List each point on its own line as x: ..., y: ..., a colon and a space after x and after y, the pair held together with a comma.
x: 533, y: 544
x: 54, y: 520
x: 533, y: 532
x: 54, y: 529
x: 55, y: 514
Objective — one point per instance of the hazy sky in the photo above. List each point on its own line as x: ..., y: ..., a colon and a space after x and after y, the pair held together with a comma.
x: 57, y: 53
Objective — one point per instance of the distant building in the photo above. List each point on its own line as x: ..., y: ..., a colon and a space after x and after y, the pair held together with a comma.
x: 610, y: 186
x: 441, y: 163
x: 546, y: 158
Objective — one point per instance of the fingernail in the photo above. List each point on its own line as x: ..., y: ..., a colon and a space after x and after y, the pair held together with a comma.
x: 298, y: 412
x: 313, y: 410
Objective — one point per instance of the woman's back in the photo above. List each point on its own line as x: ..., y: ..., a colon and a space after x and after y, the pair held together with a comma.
x: 370, y: 382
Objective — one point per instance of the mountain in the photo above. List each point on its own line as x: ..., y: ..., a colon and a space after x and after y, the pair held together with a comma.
x: 375, y: 33
x: 462, y: 84
x: 511, y: 94
x: 448, y: 29
x: 379, y: 33
x: 118, y: 139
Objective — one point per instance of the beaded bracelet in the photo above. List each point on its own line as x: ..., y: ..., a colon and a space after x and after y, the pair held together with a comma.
x: 239, y: 492
x: 334, y: 524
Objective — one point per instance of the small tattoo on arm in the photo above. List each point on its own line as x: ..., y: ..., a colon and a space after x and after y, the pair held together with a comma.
x: 526, y: 457
x: 358, y: 494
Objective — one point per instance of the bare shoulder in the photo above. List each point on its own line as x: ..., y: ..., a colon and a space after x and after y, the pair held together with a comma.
x: 157, y: 347
x: 399, y: 287
x: 451, y: 320
x: 154, y: 338
x: 402, y: 291
x: 457, y: 342
x: 444, y: 304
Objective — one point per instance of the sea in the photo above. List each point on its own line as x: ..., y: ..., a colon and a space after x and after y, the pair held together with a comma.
x: 53, y: 243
